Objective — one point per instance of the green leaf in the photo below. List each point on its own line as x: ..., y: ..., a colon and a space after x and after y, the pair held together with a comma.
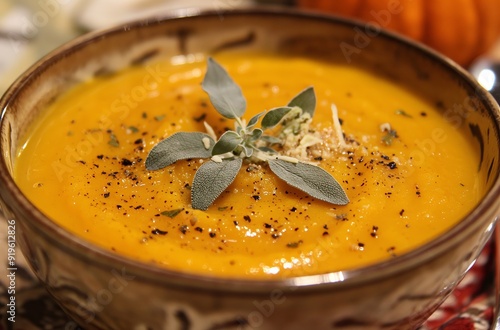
x: 274, y: 116
x: 253, y: 121
x: 268, y: 150
x: 256, y: 134
x: 224, y: 93
x: 306, y: 100
x: 311, y: 179
x: 248, y: 151
x: 227, y: 143
x: 182, y: 145
x: 271, y: 139
x: 211, y: 179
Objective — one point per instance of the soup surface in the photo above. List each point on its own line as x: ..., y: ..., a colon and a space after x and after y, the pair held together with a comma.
x: 409, y: 174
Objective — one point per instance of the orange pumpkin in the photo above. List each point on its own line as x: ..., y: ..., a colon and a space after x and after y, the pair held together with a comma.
x: 460, y: 29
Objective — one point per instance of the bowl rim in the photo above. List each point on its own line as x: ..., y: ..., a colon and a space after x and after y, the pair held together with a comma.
x: 12, y: 196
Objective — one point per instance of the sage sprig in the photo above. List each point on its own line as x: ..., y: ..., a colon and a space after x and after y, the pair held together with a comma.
x: 245, y: 142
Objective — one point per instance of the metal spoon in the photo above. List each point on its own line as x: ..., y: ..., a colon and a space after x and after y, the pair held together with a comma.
x: 487, y: 72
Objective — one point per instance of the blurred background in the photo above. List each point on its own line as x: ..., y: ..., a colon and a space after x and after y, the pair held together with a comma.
x: 30, y: 29
x: 461, y: 29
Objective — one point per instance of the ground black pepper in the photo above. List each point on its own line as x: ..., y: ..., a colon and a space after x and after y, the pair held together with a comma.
x: 203, y: 115
x: 392, y: 165
x: 183, y: 229
x: 158, y: 232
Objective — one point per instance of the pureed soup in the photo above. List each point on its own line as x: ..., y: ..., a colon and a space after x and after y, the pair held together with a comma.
x: 408, y: 173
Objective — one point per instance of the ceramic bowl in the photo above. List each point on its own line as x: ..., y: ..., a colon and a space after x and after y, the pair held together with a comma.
x: 101, y: 290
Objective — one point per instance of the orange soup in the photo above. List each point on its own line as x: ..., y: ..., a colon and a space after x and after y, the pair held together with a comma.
x: 408, y: 173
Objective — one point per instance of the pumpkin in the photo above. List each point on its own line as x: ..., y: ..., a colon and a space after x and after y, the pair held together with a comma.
x: 460, y: 29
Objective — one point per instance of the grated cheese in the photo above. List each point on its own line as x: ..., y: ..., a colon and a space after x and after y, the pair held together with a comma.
x: 206, y: 143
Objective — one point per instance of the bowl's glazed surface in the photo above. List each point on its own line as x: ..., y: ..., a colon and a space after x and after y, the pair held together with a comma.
x: 101, y: 290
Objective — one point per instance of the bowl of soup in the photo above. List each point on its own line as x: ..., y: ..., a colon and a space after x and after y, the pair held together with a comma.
x: 356, y: 177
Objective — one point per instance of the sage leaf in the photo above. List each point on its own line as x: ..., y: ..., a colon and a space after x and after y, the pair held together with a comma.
x: 256, y: 134
x: 311, y: 179
x: 271, y: 139
x: 248, y: 151
x: 224, y: 93
x: 181, y: 145
x: 268, y: 150
x: 227, y: 143
x: 253, y: 121
x: 211, y: 179
x: 274, y: 116
x: 306, y: 100
x: 247, y: 141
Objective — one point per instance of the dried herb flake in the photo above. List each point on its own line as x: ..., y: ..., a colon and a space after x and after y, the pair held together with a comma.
x: 294, y: 245
x: 172, y: 213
